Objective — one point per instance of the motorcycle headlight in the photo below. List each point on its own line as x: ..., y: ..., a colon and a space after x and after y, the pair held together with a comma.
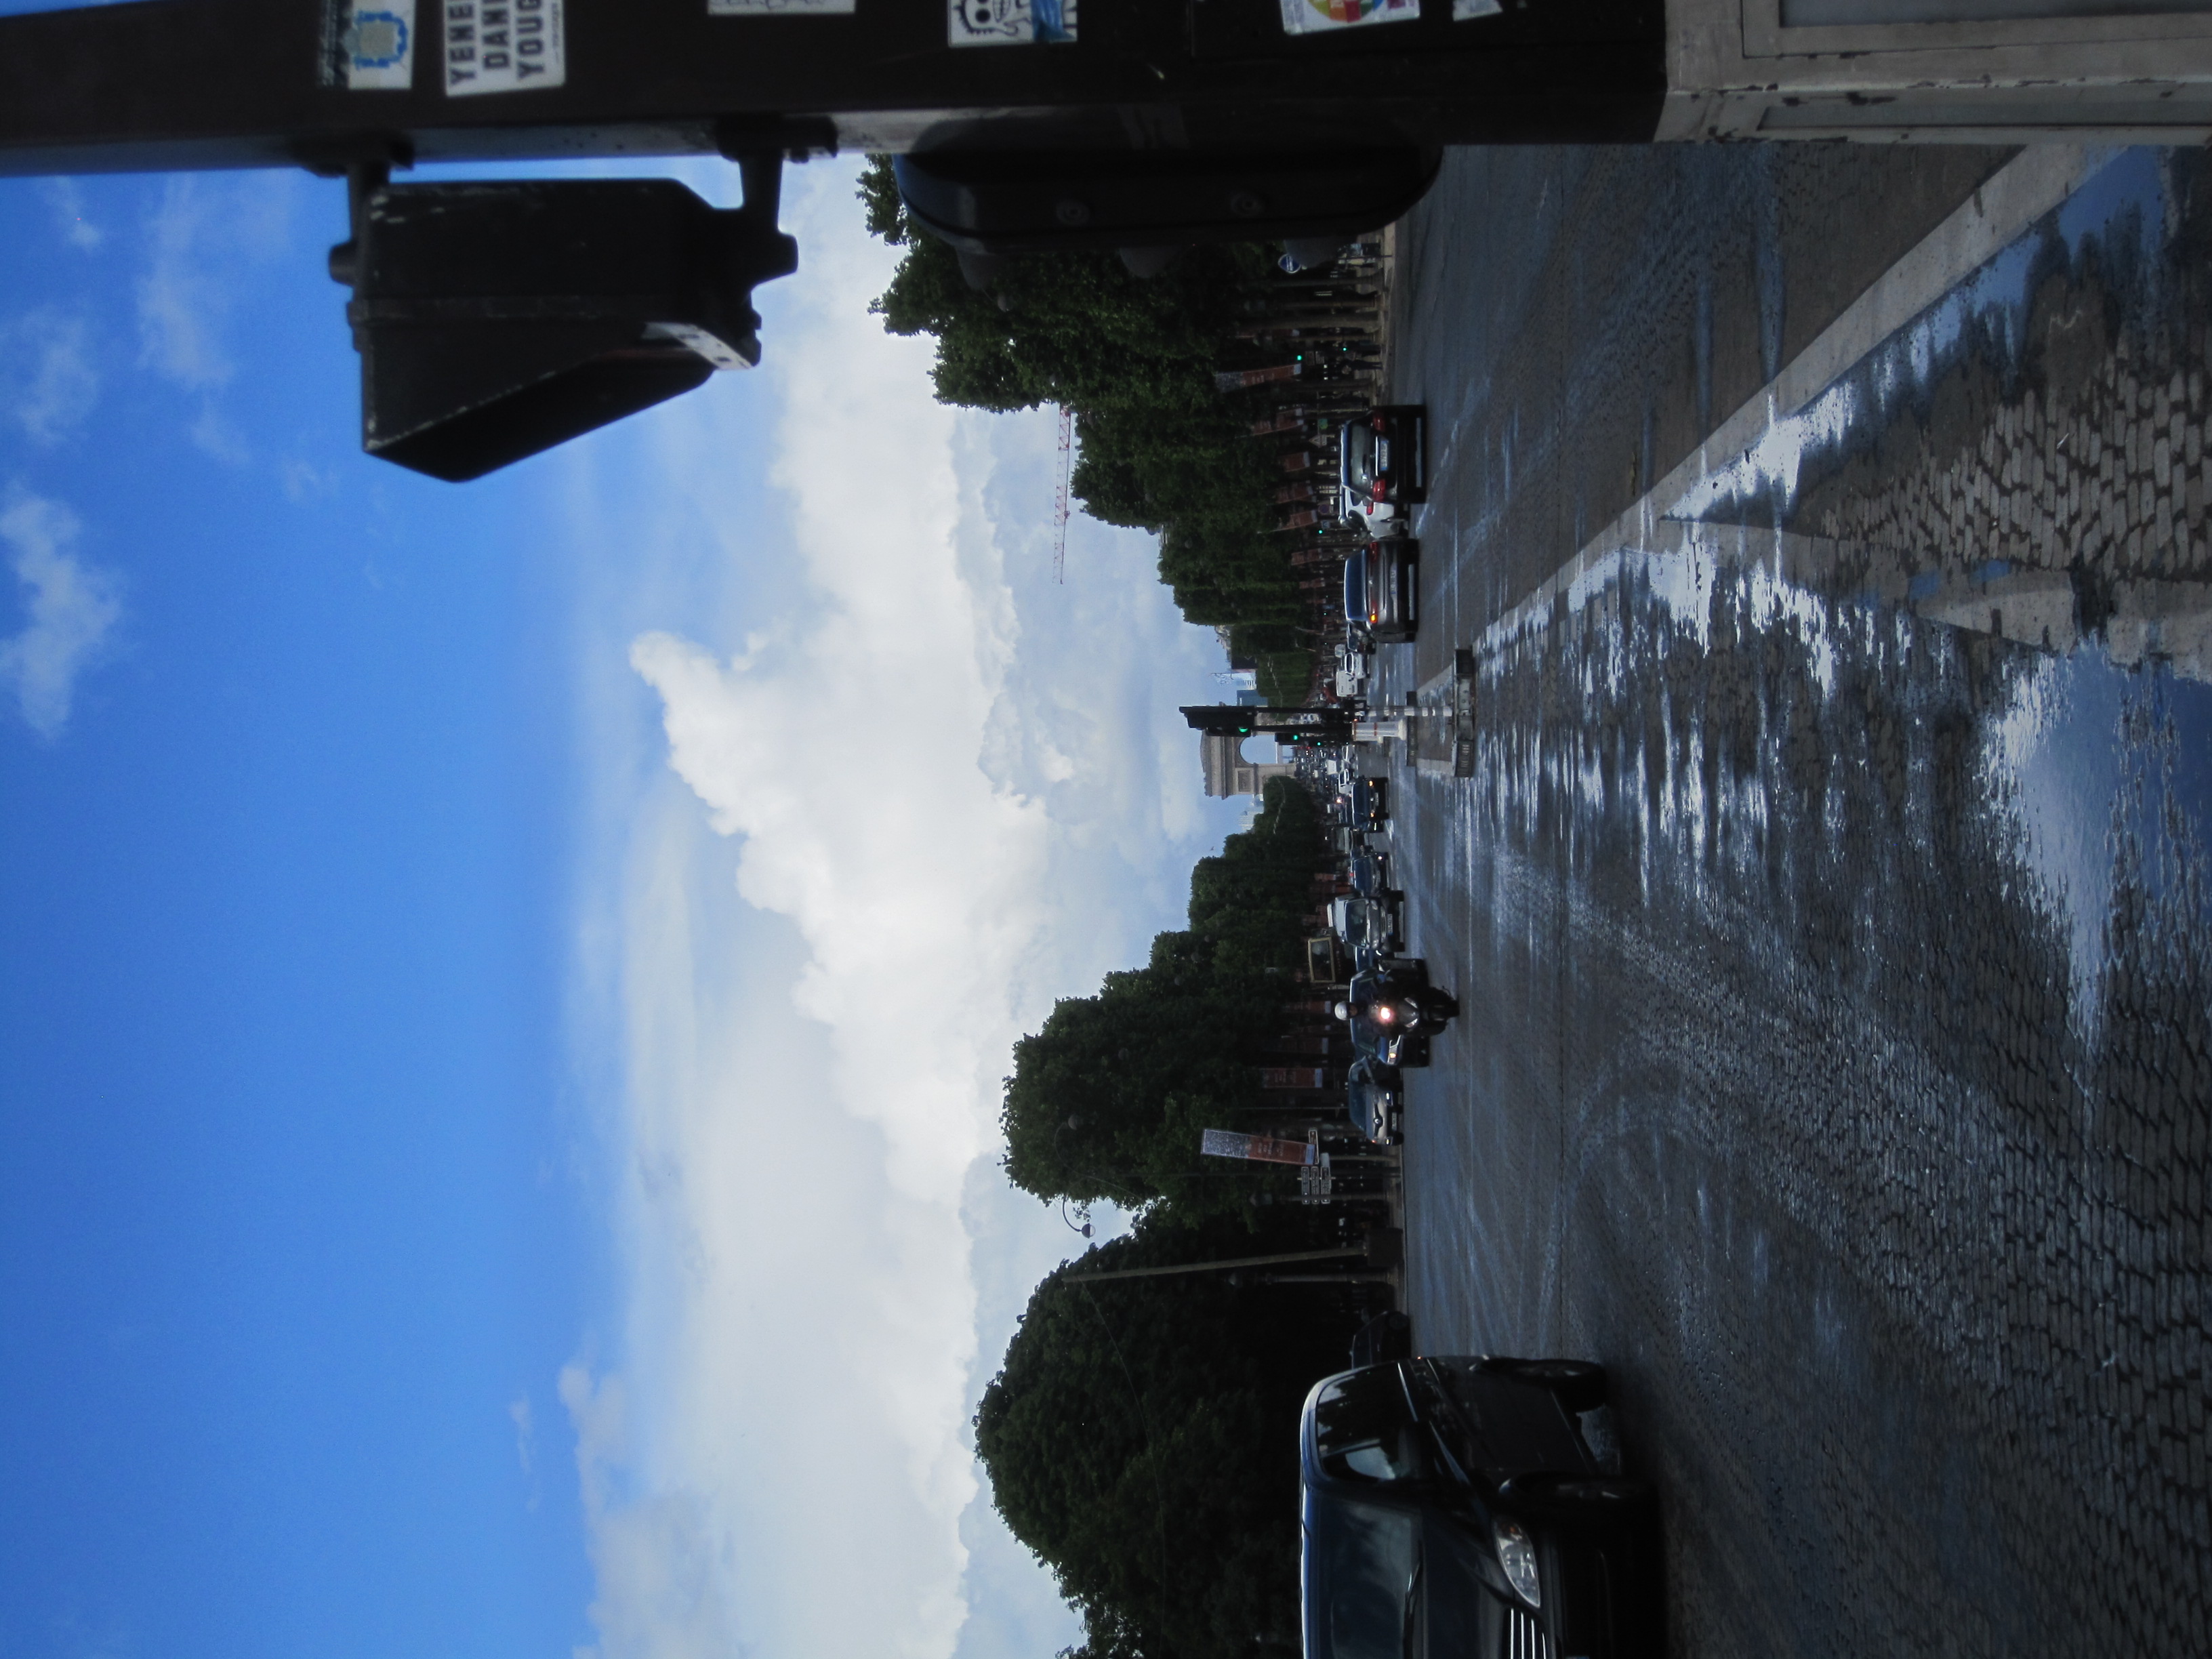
x: 1516, y: 1553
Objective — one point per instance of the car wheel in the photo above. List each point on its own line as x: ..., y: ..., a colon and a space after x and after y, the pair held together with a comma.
x: 1578, y: 1384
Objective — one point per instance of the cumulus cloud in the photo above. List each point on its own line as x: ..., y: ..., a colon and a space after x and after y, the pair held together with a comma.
x: 72, y: 609
x: 47, y: 376
x: 202, y: 232
x: 908, y: 790
x: 183, y: 299
x: 653, y: 1554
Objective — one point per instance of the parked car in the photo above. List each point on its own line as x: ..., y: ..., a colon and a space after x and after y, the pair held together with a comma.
x: 1382, y: 467
x: 1375, y: 1096
x: 1382, y: 591
x: 1392, y: 1010
x: 1473, y: 1506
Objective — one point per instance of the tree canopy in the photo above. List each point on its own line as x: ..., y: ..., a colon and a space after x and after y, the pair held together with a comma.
x: 1141, y: 1439
x: 1107, y: 1098
x: 1161, y: 447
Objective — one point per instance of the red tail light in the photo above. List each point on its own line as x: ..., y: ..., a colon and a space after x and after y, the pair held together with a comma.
x: 1381, y: 487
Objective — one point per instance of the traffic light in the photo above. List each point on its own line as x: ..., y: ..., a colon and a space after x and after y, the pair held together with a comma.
x: 498, y: 319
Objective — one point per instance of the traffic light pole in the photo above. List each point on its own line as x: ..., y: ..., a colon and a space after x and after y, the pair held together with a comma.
x: 496, y: 319
x: 174, y: 84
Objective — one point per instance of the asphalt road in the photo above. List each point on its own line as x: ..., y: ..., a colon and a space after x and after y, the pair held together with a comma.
x: 1828, y: 902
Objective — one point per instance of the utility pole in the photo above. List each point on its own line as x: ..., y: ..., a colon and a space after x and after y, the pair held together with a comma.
x: 1382, y: 1250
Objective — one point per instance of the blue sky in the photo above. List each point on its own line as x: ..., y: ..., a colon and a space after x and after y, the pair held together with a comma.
x: 507, y: 985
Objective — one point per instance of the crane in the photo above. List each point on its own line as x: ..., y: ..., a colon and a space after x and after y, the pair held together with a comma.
x: 1059, y: 498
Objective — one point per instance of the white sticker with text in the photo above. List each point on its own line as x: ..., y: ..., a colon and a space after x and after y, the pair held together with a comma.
x: 503, y: 45
x: 1319, y: 16
x: 376, y: 48
x: 1009, y: 22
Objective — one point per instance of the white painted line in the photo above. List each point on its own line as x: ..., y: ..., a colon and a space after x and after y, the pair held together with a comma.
x: 2030, y: 185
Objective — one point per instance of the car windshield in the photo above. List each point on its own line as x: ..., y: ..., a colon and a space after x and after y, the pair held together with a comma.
x: 1358, y: 450
x: 1363, y: 1563
x: 1355, y: 589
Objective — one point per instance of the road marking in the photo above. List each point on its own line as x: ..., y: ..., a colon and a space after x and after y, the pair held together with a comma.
x: 2009, y: 203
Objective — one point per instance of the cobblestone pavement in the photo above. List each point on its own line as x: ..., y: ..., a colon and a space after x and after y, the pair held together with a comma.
x: 1830, y: 902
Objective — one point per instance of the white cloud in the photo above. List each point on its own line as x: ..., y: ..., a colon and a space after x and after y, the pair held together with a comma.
x: 72, y: 609
x: 203, y: 231
x: 183, y: 298
x: 65, y: 197
x: 520, y: 1413
x: 914, y: 791
x: 46, y: 375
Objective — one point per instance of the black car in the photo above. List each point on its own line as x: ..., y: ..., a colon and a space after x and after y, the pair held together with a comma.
x: 1382, y: 467
x: 1371, y: 801
x: 1473, y: 1507
x: 1375, y: 1096
x: 1382, y: 588
x: 1370, y: 875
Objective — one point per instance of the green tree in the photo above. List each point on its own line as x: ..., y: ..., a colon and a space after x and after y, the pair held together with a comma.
x: 1108, y: 1096
x: 1161, y: 447
x: 1141, y: 1438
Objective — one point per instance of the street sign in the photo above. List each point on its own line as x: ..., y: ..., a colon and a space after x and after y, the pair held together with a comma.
x: 1262, y: 1149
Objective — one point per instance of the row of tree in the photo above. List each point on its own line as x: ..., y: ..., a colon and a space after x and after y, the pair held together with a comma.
x: 1163, y: 448
x: 1140, y: 1435
x: 1107, y: 1098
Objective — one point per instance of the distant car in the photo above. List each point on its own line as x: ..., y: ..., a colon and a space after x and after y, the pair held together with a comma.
x: 1370, y: 875
x: 1381, y: 462
x: 1473, y: 1506
x: 1382, y: 591
x: 1392, y: 1010
x: 1349, y: 840
x: 1370, y: 800
x: 1363, y: 921
x: 1375, y: 1096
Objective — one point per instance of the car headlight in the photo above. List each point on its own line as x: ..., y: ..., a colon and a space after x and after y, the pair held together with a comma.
x: 1516, y: 1553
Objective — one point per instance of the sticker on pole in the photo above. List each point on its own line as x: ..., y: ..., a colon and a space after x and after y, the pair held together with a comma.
x: 1319, y: 16
x: 370, y: 45
x: 1009, y: 22
x: 503, y: 45
x: 1260, y: 1149
x: 782, y: 8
